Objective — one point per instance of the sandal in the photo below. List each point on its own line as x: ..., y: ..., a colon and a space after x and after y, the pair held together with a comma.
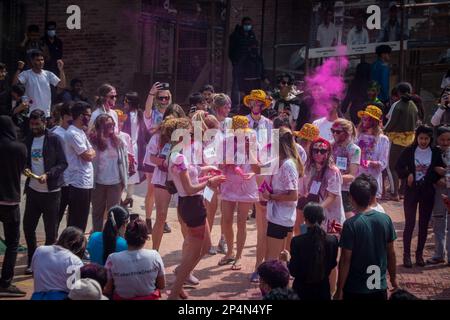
x: 236, y: 265
x: 224, y: 261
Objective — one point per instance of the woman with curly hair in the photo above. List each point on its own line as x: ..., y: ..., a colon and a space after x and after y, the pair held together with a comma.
x: 189, y: 180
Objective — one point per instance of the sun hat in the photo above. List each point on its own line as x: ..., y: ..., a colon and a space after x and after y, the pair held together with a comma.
x: 371, y: 111
x: 87, y: 289
x: 240, y: 122
x: 259, y: 95
x: 308, y: 132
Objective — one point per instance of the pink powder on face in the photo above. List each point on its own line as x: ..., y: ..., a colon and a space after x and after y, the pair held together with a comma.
x: 327, y: 81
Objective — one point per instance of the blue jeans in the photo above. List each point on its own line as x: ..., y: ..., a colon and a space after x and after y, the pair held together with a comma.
x: 441, y: 223
x: 50, y: 295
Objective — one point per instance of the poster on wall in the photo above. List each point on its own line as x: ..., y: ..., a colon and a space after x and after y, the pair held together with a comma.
x: 344, y: 23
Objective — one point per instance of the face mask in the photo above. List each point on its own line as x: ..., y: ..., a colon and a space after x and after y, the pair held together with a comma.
x: 51, y: 33
x: 247, y: 28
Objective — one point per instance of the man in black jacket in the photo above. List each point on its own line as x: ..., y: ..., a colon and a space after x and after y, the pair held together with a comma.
x: 47, y: 161
x: 241, y: 41
x: 12, y: 163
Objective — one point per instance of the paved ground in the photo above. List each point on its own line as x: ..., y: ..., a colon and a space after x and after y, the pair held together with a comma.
x: 431, y: 282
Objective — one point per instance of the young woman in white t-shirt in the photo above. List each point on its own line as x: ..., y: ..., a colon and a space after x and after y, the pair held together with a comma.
x: 190, y: 180
x: 54, y: 266
x: 417, y: 164
x: 137, y: 273
x: 110, y: 169
x: 158, y: 100
x: 210, y: 157
x: 282, y: 201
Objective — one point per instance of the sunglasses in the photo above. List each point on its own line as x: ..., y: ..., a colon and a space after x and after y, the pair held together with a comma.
x: 336, y: 131
x: 110, y: 125
x: 164, y: 98
x: 113, y: 97
x: 285, y: 83
x: 321, y: 151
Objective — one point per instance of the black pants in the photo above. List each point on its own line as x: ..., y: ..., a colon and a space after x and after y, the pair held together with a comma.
x: 10, y: 216
x: 376, y: 296
x: 65, y: 192
x: 79, y: 206
x: 422, y: 196
x: 37, y: 204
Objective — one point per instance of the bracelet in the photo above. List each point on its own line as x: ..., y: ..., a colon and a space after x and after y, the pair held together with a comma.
x: 151, y: 94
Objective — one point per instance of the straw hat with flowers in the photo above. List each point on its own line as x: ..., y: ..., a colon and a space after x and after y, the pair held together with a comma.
x: 241, y: 122
x: 258, y: 95
x: 308, y: 132
x: 120, y: 115
x: 371, y: 111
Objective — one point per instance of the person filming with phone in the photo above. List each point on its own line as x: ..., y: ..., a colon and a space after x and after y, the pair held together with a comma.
x: 442, y: 114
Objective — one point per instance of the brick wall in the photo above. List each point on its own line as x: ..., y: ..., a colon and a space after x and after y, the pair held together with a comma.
x: 107, y: 47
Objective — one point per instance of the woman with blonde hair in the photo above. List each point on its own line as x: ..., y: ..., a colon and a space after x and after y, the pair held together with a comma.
x: 210, y: 157
x: 239, y: 192
x: 282, y: 195
x: 347, y: 156
x: 221, y: 105
x: 189, y: 180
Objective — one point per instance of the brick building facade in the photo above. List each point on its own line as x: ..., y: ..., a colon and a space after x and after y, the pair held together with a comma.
x: 133, y: 43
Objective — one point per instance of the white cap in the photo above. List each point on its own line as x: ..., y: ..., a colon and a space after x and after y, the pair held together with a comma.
x: 87, y: 289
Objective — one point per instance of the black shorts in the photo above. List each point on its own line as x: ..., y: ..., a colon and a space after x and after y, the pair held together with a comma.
x: 276, y: 231
x: 192, y: 211
x: 346, y: 201
x: 148, y: 169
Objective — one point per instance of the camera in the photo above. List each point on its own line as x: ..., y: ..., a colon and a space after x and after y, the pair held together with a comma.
x: 165, y: 86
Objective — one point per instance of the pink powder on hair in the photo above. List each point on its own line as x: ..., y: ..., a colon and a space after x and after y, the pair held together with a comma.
x: 327, y: 81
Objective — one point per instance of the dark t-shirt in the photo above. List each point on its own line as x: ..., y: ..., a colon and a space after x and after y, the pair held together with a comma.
x: 367, y: 235
x: 302, y: 253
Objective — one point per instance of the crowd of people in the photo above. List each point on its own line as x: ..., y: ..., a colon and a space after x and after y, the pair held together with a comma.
x: 314, y: 198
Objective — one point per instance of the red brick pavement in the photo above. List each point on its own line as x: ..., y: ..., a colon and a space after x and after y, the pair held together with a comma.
x: 219, y: 282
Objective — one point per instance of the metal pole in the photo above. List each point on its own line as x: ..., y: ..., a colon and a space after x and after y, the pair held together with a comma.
x: 275, y: 39
x: 263, y: 12
x: 226, y: 45
x: 46, y: 12
x: 402, y: 57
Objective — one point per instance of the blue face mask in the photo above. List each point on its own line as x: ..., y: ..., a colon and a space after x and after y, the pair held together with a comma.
x: 247, y: 27
x: 51, y: 33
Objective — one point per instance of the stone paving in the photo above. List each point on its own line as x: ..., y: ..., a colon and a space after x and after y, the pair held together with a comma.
x: 220, y: 282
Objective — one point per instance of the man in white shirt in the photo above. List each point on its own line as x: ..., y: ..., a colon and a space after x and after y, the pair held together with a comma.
x: 80, y: 172
x: 63, y: 117
x: 358, y: 34
x: 327, y: 32
x: 37, y: 82
x: 46, y: 160
x: 324, y: 124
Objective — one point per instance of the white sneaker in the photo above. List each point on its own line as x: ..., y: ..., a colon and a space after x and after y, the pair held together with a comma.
x: 192, y: 280
x: 212, y: 251
x: 222, y: 247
